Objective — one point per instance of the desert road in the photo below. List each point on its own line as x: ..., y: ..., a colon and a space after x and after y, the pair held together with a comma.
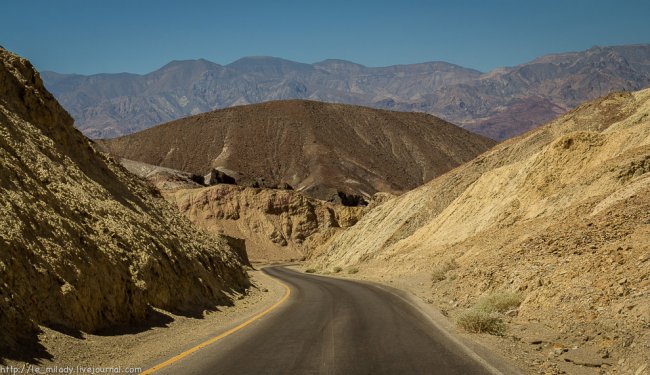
x: 332, y: 326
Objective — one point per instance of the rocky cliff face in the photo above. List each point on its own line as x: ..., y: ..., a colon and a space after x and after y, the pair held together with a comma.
x: 276, y: 224
x: 499, y: 104
x: 83, y: 245
x: 560, y: 216
x: 319, y: 149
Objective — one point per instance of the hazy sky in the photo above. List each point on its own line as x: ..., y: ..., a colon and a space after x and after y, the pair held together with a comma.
x: 140, y: 36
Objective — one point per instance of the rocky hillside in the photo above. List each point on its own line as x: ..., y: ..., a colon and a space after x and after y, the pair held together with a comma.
x: 560, y: 216
x: 319, y: 149
x: 84, y: 246
x: 499, y: 104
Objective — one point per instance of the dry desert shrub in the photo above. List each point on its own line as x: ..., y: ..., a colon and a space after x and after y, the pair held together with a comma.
x: 486, y: 316
x: 499, y: 302
x: 478, y: 321
x: 439, y: 272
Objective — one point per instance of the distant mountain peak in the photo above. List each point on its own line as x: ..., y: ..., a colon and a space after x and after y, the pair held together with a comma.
x: 260, y: 58
x: 338, y: 62
x: 266, y: 64
x: 191, y: 62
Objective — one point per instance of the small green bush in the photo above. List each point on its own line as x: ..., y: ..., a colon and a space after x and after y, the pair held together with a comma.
x: 310, y: 270
x: 337, y: 269
x: 353, y: 270
x: 499, y: 302
x: 478, y: 321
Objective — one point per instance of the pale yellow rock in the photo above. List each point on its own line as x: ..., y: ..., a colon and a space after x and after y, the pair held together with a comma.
x: 85, y: 245
x: 276, y: 224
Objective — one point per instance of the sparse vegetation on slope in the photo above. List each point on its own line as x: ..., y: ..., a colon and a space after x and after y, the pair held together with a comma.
x: 479, y: 321
x: 499, y: 302
x: 487, y: 315
x: 440, y: 271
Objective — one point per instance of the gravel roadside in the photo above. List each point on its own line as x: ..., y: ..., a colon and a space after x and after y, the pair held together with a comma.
x: 143, y: 347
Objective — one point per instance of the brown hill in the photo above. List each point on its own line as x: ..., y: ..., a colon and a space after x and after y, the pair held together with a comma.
x: 84, y: 245
x: 560, y: 216
x: 319, y: 149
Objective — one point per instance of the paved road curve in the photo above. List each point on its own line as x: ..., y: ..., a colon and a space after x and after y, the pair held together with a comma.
x: 332, y: 326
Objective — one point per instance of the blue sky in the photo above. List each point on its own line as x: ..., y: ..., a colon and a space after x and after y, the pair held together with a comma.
x: 140, y: 36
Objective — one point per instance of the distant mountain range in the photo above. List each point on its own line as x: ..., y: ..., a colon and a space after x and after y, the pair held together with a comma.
x: 499, y: 104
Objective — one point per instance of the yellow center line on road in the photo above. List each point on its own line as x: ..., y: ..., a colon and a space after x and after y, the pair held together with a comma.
x: 219, y: 337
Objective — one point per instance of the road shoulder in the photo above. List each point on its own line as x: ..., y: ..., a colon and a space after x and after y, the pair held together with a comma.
x: 173, y: 335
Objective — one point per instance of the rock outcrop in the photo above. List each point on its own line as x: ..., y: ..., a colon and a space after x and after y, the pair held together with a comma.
x: 216, y: 176
x: 84, y: 245
x: 560, y: 215
x: 276, y: 224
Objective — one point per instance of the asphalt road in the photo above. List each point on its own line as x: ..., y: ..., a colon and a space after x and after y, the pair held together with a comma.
x: 333, y: 326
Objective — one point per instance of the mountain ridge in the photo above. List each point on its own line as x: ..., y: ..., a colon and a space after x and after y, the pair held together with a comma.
x: 495, y: 103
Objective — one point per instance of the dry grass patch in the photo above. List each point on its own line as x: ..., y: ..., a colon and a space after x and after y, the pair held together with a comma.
x: 439, y: 272
x: 487, y: 315
x: 499, y: 302
x: 477, y: 321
